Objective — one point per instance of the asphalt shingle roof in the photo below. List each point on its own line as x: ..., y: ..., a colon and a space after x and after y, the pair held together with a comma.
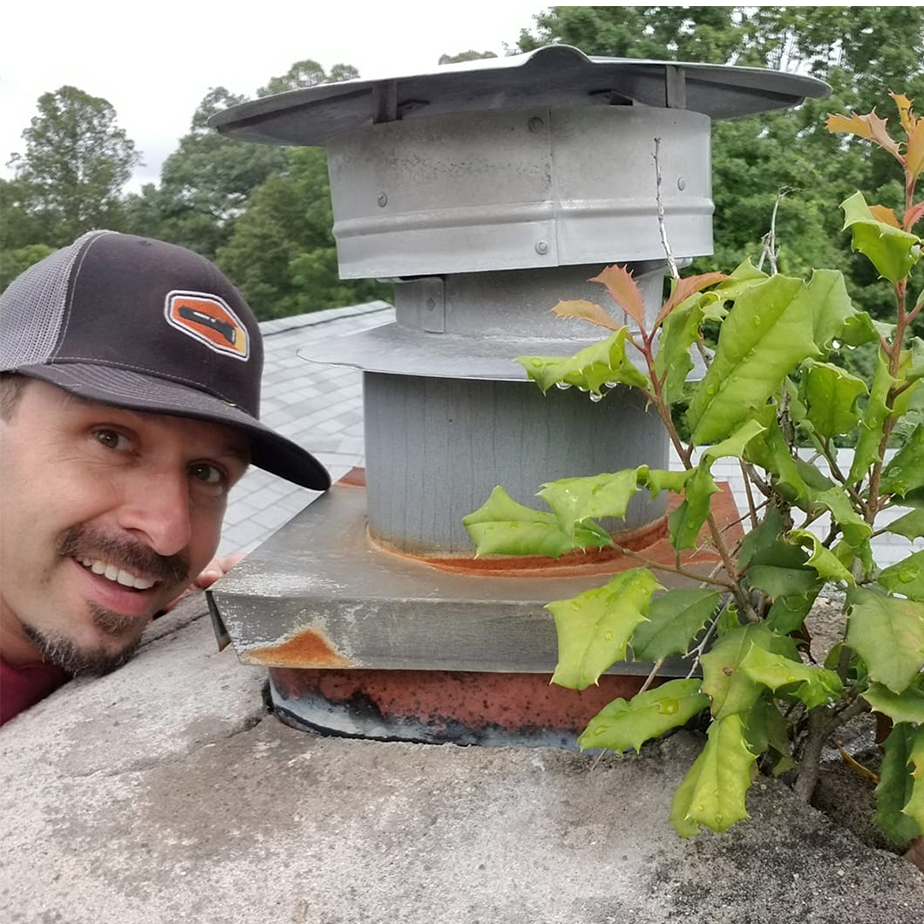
x: 320, y: 407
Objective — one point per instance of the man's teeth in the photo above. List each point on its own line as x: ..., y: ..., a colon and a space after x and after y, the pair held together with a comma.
x: 117, y: 574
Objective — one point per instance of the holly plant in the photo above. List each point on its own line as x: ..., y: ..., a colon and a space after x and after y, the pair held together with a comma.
x: 766, y: 387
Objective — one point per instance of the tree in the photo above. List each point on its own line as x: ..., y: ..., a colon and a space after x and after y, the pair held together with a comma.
x: 282, y: 254
x: 466, y: 56
x: 75, y: 164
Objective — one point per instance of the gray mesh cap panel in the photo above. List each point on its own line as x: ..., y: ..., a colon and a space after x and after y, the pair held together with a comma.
x: 34, y: 307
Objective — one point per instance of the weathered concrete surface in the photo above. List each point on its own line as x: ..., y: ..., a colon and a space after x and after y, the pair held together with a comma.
x: 164, y: 793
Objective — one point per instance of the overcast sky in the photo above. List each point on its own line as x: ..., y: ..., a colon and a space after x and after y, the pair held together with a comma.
x: 155, y: 62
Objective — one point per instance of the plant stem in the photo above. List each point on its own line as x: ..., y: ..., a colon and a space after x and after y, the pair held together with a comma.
x: 662, y: 226
x: 660, y: 566
x: 822, y: 722
x: 650, y: 678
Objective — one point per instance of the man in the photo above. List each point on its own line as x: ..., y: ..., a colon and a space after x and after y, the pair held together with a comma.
x: 129, y: 401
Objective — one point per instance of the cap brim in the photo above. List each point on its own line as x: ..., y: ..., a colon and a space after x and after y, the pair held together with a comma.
x: 121, y: 388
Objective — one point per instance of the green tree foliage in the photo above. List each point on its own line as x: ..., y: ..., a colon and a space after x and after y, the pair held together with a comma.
x: 281, y: 253
x: 70, y: 176
x: 466, y: 56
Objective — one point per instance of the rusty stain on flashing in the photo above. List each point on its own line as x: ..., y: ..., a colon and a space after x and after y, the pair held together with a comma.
x: 310, y: 648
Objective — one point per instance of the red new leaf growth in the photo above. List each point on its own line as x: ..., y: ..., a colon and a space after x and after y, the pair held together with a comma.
x: 585, y: 311
x: 914, y: 215
x: 620, y: 284
x: 885, y: 215
x: 866, y: 126
x: 686, y: 287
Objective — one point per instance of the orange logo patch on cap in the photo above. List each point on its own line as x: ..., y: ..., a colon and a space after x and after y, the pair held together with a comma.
x: 210, y: 320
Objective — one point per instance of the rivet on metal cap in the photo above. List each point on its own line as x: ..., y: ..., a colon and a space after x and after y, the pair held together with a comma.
x: 535, y: 125
x: 542, y: 247
x: 681, y: 183
x: 383, y: 201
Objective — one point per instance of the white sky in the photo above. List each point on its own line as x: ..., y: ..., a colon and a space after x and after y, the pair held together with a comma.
x: 154, y: 62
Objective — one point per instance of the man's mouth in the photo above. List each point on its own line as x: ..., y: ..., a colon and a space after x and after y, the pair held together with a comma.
x: 117, y: 575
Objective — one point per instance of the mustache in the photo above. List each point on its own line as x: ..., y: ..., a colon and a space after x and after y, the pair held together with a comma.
x: 88, y: 542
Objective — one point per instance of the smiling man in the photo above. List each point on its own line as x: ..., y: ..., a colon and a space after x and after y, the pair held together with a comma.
x: 129, y: 406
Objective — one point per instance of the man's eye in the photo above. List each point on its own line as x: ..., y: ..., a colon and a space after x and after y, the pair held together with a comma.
x: 112, y: 439
x: 209, y: 474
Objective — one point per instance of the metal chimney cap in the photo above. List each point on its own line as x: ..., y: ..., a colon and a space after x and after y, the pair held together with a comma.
x: 555, y: 75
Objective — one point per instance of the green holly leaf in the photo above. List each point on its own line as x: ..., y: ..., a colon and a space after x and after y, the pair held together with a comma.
x: 713, y: 791
x: 501, y: 526
x: 730, y: 690
x: 815, y: 685
x: 823, y: 560
x: 874, y: 416
x: 657, y: 480
x: 831, y: 308
x: 905, y: 473
x: 891, y: 250
x: 859, y: 329
x: 674, y: 620
x: 830, y: 395
x: 672, y: 361
x: 914, y: 807
x: 907, y: 706
x: 911, y: 525
x: 766, y: 729
x: 771, y: 452
x: 594, y: 627
x: 896, y: 784
x: 762, y: 539
x: 574, y: 500
x: 787, y: 614
x: 906, y: 577
x: 765, y: 336
x: 622, y: 725
x: 685, y: 523
x: 735, y: 445
x: 888, y: 634
x: 589, y: 368
x: 855, y: 529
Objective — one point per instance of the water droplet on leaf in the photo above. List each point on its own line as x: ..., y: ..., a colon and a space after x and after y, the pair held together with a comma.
x: 669, y: 707
x: 564, y: 386
x: 596, y: 398
x: 608, y: 635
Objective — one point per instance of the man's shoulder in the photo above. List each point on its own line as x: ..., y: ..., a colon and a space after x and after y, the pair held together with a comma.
x: 22, y: 686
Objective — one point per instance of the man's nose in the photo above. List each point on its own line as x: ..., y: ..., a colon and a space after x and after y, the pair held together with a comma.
x: 156, y: 509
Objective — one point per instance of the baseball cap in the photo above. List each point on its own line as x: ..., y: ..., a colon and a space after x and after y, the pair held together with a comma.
x: 141, y: 324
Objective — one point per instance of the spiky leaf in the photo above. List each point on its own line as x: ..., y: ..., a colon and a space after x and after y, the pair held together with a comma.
x: 622, y: 725
x: 856, y: 530
x: 674, y: 620
x: 574, y: 500
x: 914, y: 807
x: 892, y: 251
x: 888, y: 633
x: 687, y: 287
x: 713, y: 791
x: 907, y: 706
x: 905, y: 473
x: 766, y: 335
x: 589, y: 368
x: 687, y: 520
x: 730, y: 690
x: 874, y: 416
x: 869, y: 126
x: 815, y: 685
x: 823, y: 560
x: 911, y: 525
x: 502, y: 526
x: 594, y: 627
x: 906, y: 577
x: 672, y: 361
x: 624, y: 291
x: 830, y: 395
x: 583, y: 310
x: 896, y: 785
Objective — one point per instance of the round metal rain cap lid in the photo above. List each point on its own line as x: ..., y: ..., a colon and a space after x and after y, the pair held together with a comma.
x: 554, y: 76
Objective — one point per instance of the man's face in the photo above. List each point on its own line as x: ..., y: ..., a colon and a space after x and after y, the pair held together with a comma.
x: 106, y: 515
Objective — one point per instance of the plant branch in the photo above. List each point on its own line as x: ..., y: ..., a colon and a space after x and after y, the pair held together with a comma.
x: 660, y: 566
x: 662, y: 226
